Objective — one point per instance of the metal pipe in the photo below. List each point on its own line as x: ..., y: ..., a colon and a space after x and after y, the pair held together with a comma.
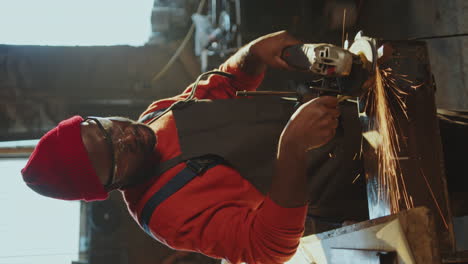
x: 17, y: 149
x: 280, y: 93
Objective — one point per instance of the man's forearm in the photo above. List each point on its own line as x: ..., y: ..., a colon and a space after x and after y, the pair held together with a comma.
x: 289, y: 185
x: 247, y: 61
x: 311, y: 126
x: 254, y: 58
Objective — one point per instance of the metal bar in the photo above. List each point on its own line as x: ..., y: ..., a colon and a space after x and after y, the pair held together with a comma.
x: 238, y: 23
x: 17, y: 149
x: 278, y: 93
x: 410, y: 234
x: 213, y: 13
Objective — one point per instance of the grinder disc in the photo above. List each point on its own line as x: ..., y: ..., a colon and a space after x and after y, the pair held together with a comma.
x: 365, y: 47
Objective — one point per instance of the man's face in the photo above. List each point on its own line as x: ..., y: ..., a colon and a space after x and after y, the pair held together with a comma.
x: 119, y: 148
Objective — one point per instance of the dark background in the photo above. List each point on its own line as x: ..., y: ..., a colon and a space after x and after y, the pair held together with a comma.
x: 41, y: 85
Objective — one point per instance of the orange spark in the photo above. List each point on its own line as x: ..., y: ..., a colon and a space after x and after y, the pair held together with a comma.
x: 416, y: 86
x: 434, y: 198
x: 391, y: 185
x: 357, y: 177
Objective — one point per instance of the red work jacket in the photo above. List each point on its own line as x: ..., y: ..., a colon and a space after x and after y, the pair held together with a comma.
x: 219, y: 214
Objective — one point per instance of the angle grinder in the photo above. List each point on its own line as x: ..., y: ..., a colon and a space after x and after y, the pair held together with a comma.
x: 344, y: 70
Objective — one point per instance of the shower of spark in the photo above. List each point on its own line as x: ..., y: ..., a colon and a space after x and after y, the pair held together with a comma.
x: 391, y: 185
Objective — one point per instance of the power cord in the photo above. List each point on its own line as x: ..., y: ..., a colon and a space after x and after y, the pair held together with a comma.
x: 191, y: 97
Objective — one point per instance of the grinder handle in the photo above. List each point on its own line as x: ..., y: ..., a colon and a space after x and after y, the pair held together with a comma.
x: 296, y: 57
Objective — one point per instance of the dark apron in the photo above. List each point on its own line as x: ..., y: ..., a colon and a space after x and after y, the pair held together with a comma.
x: 245, y: 133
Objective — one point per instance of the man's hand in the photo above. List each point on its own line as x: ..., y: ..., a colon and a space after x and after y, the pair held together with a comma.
x: 265, y: 51
x: 312, y: 125
x: 269, y: 48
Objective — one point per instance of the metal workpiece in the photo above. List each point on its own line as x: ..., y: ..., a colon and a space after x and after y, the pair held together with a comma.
x: 408, y: 171
x: 409, y: 237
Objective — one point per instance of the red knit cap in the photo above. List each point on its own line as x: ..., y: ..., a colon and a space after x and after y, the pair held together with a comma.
x: 59, y: 166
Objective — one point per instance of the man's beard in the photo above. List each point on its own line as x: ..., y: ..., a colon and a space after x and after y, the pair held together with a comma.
x: 143, y: 174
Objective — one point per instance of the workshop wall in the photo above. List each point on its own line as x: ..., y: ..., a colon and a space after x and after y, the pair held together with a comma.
x: 392, y: 20
x: 41, y: 85
x: 420, y: 18
x: 449, y: 57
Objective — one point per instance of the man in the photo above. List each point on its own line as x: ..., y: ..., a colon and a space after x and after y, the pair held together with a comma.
x: 219, y: 212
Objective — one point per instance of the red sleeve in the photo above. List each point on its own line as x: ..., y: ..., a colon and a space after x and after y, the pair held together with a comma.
x: 275, y: 233
x: 231, y: 221
x: 215, y: 87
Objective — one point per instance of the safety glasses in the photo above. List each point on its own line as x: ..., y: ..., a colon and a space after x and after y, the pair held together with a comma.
x: 108, y: 139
